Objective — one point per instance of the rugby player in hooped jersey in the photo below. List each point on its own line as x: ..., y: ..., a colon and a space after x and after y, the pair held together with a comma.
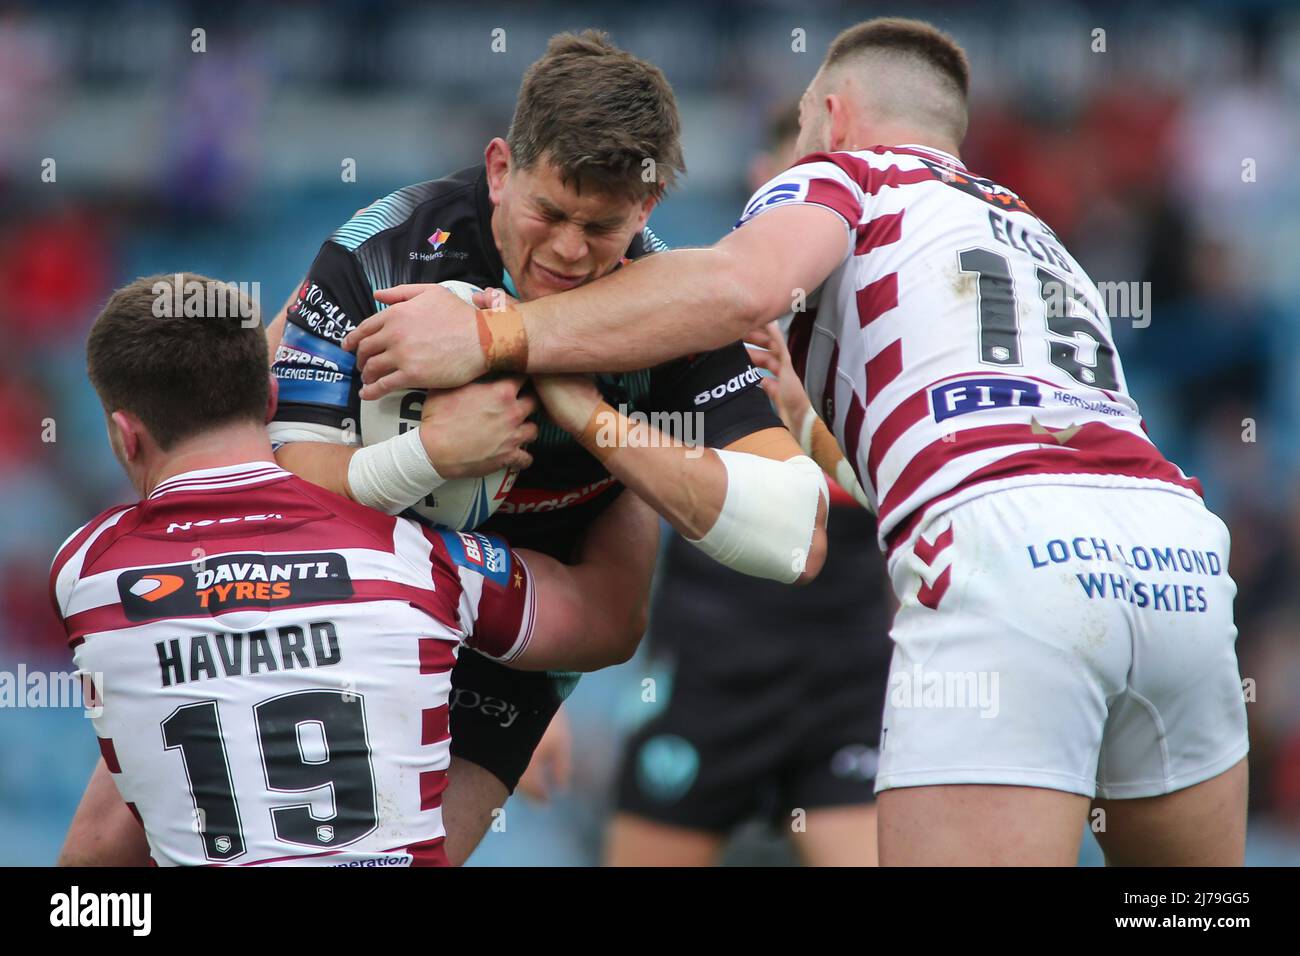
x: 1066, y: 636
x: 562, y: 200
x: 272, y: 661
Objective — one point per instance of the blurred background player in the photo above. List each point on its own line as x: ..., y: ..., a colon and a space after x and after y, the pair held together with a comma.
x: 786, y: 729
x: 294, y: 648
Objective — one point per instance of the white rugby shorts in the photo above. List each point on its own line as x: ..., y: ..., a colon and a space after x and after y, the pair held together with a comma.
x: 1069, y: 637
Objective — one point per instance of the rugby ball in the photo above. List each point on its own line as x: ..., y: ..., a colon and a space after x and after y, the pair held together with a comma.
x: 460, y: 504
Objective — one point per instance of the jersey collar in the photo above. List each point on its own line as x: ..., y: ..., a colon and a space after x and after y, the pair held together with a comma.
x: 946, y: 158
x: 220, y: 479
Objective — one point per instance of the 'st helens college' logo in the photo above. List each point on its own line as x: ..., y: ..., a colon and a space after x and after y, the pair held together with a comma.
x: 438, y: 240
x: 233, y: 581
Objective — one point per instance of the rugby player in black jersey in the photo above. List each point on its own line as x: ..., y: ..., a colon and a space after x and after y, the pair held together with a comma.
x: 562, y: 200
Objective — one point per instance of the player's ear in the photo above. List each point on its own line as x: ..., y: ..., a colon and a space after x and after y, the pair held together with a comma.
x: 272, y: 398
x: 497, y: 159
x: 647, y: 206
x: 839, y: 122
x: 124, y: 433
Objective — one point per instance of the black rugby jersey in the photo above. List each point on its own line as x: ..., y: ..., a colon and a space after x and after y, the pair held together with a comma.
x: 441, y: 230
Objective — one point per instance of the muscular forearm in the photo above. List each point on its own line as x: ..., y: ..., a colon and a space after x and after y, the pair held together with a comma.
x: 688, y: 300
x: 577, y: 630
x: 716, y: 500
x: 821, y: 446
x: 687, y: 485
x: 617, y: 557
x: 656, y: 309
x: 664, y: 306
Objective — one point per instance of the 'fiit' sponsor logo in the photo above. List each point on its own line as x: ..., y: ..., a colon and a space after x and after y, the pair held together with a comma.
x: 976, y: 394
x: 74, y: 908
x: 215, y: 585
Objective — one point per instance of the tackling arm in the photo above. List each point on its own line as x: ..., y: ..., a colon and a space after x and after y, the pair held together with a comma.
x: 688, y: 300
x: 767, y: 350
x: 661, y: 307
x: 758, y: 505
x: 592, y: 614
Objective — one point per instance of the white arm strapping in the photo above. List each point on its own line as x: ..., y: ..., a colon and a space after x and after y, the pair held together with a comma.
x: 769, y: 516
x: 393, y: 474
x: 389, y: 476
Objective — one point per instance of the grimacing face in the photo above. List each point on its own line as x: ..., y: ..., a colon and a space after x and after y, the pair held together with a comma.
x: 551, y: 237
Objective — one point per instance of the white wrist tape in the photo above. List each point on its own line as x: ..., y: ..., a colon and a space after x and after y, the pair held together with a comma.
x: 393, y: 474
x: 768, y: 517
x: 846, y: 479
x: 843, y: 474
x: 806, y: 430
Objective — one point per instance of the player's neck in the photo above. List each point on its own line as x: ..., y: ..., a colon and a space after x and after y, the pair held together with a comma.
x: 219, y: 448
x: 900, y: 136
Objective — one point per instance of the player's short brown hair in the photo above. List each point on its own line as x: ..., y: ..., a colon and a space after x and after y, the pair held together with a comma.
x: 914, y: 38
x: 598, y: 113
x: 184, y: 353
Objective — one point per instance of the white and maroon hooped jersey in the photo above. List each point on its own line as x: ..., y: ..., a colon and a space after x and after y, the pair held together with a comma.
x: 272, y: 665
x: 958, y: 348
